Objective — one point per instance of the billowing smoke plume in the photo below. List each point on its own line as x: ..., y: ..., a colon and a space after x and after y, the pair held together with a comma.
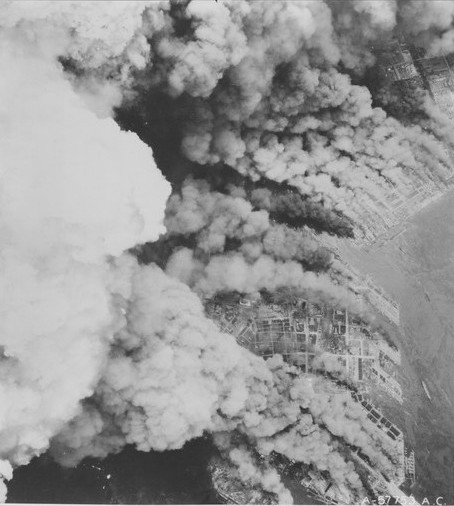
x: 97, y: 351
x: 221, y: 242
x: 269, y: 255
x: 279, y: 108
x: 215, y: 218
x: 172, y: 375
x: 250, y: 471
x: 291, y: 208
x: 106, y: 40
x: 429, y: 22
x: 75, y: 191
x: 231, y: 272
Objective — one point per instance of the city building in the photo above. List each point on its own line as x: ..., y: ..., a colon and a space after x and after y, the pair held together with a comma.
x: 317, y: 337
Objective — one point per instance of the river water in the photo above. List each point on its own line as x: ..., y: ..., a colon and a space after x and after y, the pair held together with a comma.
x: 417, y: 269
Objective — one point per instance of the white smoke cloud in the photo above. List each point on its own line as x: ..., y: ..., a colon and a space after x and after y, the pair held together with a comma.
x: 232, y: 272
x: 429, y: 22
x: 268, y: 478
x: 6, y: 473
x: 95, y: 34
x: 75, y: 190
x: 172, y: 375
x: 97, y: 352
x: 106, y: 39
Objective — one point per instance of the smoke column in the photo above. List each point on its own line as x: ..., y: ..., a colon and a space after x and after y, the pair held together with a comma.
x: 97, y: 351
x: 76, y: 192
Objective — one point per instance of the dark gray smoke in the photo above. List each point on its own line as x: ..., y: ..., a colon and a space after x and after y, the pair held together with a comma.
x: 217, y: 222
x: 289, y: 207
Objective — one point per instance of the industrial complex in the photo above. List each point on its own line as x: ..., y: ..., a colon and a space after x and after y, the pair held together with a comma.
x: 314, y: 337
x: 386, y: 217
x: 322, y: 339
x: 327, y: 340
